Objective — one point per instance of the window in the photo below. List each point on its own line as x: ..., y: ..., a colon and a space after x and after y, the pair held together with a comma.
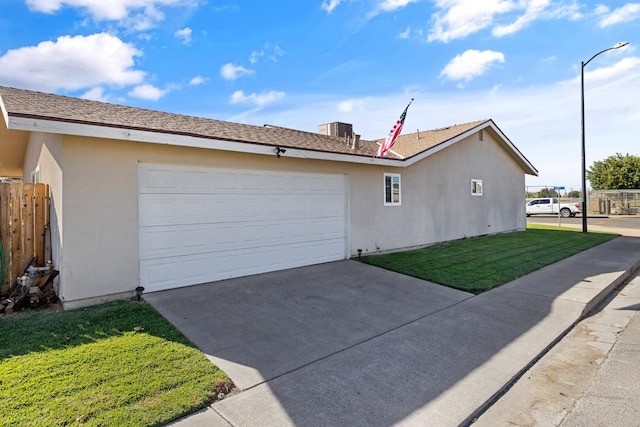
x: 35, y: 175
x: 476, y: 187
x: 391, y: 189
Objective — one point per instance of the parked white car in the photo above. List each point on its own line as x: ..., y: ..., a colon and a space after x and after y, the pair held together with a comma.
x: 550, y: 206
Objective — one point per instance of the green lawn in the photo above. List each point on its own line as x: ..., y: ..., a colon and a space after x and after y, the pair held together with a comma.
x: 117, y: 364
x: 482, y: 263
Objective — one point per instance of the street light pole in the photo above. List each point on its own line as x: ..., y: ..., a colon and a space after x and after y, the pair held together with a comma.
x: 584, y: 165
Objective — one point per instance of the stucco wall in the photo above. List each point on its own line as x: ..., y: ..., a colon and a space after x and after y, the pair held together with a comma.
x: 101, y: 212
x: 437, y: 204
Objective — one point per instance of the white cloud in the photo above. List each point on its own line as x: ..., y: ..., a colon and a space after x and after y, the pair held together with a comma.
x: 470, y: 64
x: 391, y: 5
x: 231, y: 71
x: 457, y: 19
x: 570, y: 11
x: 198, y: 80
x: 255, y: 56
x: 184, y: 35
x: 379, y: 6
x: 72, y: 63
x: 532, y: 12
x: 257, y: 99
x: 405, y: 34
x: 96, y: 94
x: 351, y: 105
x: 411, y: 33
x: 611, y: 72
x: 329, y: 5
x: 270, y: 51
x: 136, y: 14
x: 628, y: 12
x: 148, y: 92
x: 143, y: 21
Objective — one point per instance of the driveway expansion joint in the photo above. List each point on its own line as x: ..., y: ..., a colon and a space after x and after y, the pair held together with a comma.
x: 342, y: 350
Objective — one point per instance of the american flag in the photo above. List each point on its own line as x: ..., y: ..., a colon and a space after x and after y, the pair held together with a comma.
x: 393, y: 134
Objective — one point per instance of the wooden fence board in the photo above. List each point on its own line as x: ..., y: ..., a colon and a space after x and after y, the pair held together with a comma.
x: 24, y: 219
x: 40, y: 221
x: 4, y: 234
x: 16, y: 249
x: 28, y: 220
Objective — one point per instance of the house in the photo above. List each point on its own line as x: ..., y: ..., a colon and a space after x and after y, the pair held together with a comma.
x: 160, y: 200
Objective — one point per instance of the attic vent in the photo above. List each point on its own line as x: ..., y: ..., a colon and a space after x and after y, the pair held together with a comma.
x: 481, y: 135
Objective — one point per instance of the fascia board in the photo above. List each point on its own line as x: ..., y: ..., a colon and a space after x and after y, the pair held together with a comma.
x: 510, y: 147
x: 514, y: 150
x: 433, y: 150
x: 123, y: 134
x: 5, y: 113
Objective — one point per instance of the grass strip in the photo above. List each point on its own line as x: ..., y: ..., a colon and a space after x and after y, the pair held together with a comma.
x: 482, y: 263
x: 95, y: 366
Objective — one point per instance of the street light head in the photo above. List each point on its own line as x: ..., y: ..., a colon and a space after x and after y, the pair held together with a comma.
x: 619, y: 45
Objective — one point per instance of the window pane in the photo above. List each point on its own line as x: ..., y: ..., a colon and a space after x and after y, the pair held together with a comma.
x: 387, y: 189
x: 396, y: 189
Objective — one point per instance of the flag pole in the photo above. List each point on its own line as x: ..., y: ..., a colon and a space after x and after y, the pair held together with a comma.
x: 399, y: 121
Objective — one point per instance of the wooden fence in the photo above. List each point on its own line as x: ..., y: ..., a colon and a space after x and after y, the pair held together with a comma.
x: 24, y: 224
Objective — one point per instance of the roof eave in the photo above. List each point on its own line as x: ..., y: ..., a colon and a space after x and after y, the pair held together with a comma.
x: 37, y: 124
x: 511, y: 149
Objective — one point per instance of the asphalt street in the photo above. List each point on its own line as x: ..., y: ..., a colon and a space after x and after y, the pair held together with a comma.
x: 626, y: 225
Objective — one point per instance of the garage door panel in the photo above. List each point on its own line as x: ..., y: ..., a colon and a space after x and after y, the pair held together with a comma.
x: 157, y: 242
x: 178, y: 180
x: 163, y: 209
x: 189, y: 270
x: 201, y: 224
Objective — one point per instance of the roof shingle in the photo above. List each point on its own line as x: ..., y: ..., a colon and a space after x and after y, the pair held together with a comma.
x: 31, y: 104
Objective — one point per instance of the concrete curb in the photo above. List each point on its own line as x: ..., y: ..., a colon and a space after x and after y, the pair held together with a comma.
x: 608, y: 290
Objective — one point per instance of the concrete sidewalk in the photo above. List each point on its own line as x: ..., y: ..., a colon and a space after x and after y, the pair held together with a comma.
x: 441, y: 368
x: 590, y: 377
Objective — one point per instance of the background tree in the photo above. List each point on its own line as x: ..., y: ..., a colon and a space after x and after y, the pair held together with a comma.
x: 574, y: 194
x: 547, y: 192
x: 615, y: 173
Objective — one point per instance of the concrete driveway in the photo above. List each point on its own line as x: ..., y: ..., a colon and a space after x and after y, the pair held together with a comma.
x: 350, y: 344
x: 260, y: 327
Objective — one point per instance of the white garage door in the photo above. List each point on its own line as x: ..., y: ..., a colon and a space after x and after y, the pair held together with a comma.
x: 198, y: 225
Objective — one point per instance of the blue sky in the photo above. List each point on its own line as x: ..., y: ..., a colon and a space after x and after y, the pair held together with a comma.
x: 303, y: 63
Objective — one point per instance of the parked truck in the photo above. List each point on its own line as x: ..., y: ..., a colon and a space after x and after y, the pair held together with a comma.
x: 550, y: 206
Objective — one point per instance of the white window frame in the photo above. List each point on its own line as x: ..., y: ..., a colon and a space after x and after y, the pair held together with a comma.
x: 391, y: 177
x: 476, y: 187
x: 35, y: 175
